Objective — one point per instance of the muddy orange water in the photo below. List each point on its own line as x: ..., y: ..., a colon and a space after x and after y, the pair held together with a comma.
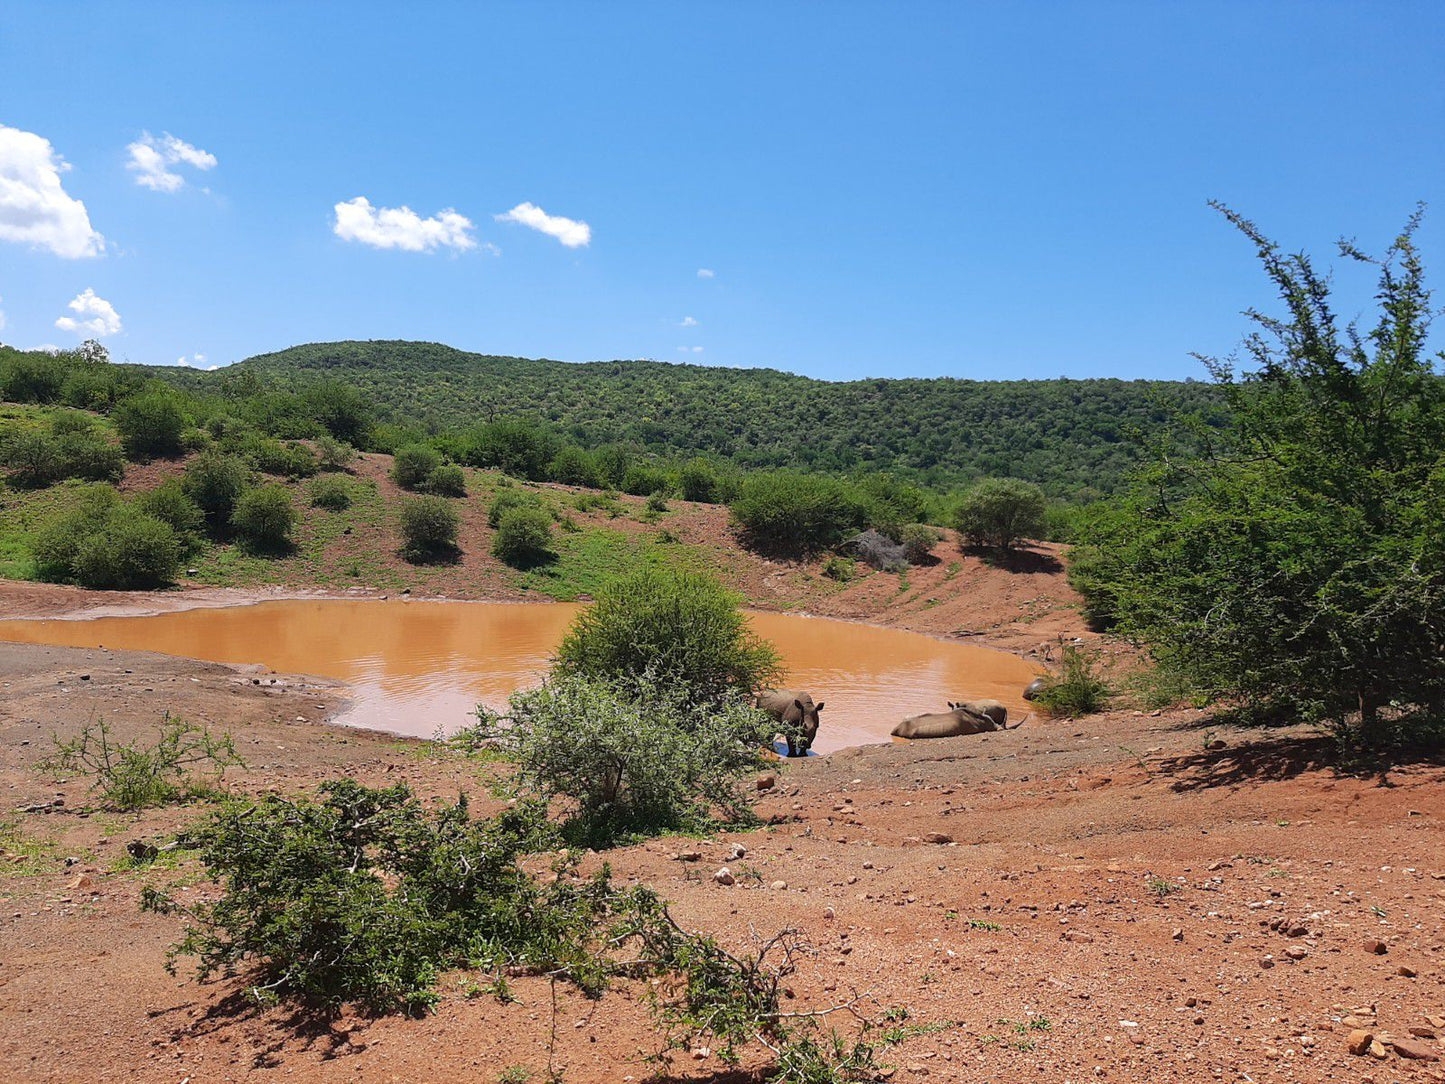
x: 421, y: 667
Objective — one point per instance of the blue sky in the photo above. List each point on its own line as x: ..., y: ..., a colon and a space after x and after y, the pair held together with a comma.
x: 986, y: 191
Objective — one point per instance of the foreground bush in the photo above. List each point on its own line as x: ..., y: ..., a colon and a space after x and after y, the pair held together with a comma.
x: 447, y: 480
x: 428, y: 529
x: 169, y: 503
x: 683, y: 629
x: 185, y: 760
x: 524, y: 537
x: 265, y: 518
x: 999, y: 513
x: 789, y: 512
x: 637, y: 758
x: 698, y: 481
x: 918, y: 540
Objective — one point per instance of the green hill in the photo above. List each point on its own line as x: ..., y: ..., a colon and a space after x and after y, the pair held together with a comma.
x: 1071, y: 436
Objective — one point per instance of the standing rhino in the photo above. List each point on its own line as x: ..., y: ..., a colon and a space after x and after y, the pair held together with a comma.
x: 1033, y: 688
x: 798, y: 715
x: 971, y: 717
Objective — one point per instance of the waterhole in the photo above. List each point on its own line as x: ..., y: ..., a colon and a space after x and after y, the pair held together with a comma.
x: 420, y: 668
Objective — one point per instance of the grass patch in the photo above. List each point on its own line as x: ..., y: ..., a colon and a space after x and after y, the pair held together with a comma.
x: 22, y: 856
x: 589, y: 559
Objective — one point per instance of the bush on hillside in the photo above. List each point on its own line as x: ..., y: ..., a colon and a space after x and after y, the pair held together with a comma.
x: 33, y: 458
x: 447, y: 480
x: 682, y: 628
x: 788, y: 512
x: 642, y: 758
x: 698, y: 481
x: 105, y: 544
x: 508, y: 499
x: 643, y: 480
x: 999, y: 513
x: 31, y: 376
x: 1076, y: 689
x: 511, y: 445
x: 169, y: 503
x: 524, y: 537
x: 333, y: 454
x: 331, y: 493
x: 572, y: 466
x: 428, y: 529
x: 344, y: 411
x: 918, y: 540
x: 264, y: 519
x: 150, y: 424
x: 215, y: 481
x: 413, y: 465
x: 286, y: 458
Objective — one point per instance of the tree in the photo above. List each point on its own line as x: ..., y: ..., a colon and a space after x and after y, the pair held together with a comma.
x: 150, y: 424
x: 790, y: 512
x: 215, y: 481
x: 1295, y: 562
x: 1000, y: 513
x: 264, y: 518
x: 682, y: 628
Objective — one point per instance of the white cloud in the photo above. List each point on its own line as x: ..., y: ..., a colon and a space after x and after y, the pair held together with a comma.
x: 401, y: 227
x: 690, y: 349
x: 34, y: 207
x: 687, y: 321
x: 705, y: 273
x: 195, y: 361
x: 569, y: 231
x: 97, y: 316
x: 151, y: 159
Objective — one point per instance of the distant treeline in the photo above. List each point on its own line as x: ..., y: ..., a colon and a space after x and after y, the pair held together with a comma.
x: 1075, y: 438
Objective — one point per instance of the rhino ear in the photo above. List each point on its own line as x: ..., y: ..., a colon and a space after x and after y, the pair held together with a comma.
x: 819, y: 707
x: 952, y: 706
x: 798, y: 704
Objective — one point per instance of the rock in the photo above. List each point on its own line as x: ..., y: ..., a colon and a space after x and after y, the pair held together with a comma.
x: 1408, y: 1048
x: 724, y: 876
x: 779, y: 886
x: 938, y: 837
x: 1376, y: 946
x: 1298, y: 931
x: 738, y: 851
x: 1294, y: 952
x: 1377, y: 1050
x: 1358, y: 1041
x: 1421, y: 1032
x: 1178, y: 934
x: 1079, y: 937
x: 687, y: 856
x: 767, y: 782
x: 1266, y: 962
x: 1406, y: 972
x: 1216, y: 745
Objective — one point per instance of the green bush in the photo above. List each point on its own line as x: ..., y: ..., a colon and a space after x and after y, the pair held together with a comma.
x: 169, y: 503
x: 289, y: 458
x: 150, y: 424
x: 88, y: 455
x: 413, y: 465
x: 265, y: 518
x: 105, y: 544
x: 656, y: 504
x: 698, y: 481
x: 572, y: 466
x: 508, y: 499
x: 447, y: 480
x: 333, y: 454
x: 131, y: 776
x: 31, y: 376
x: 215, y: 481
x: 34, y: 458
x: 520, y: 448
x: 524, y: 537
x: 643, y: 480
x: 428, y: 529
x: 840, y: 569
x: 682, y: 628
x: 638, y: 759
x: 789, y: 512
x: 1076, y: 689
x: 331, y: 493
x: 918, y: 540
x: 1001, y: 512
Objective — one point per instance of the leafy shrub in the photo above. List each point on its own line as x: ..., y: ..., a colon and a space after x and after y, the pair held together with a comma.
x: 31, y: 376
x: 1076, y: 689
x: 215, y: 481
x: 331, y: 493
x: 508, y: 499
x: 169, y: 503
x: 699, y: 482
x: 516, y: 447
x: 447, y: 481
x: 1000, y: 513
x: 428, y: 529
x: 839, y: 568
x: 333, y: 454
x: 289, y: 458
x: 892, y: 504
x: 343, y: 410
x: 639, y: 758
x: 104, y: 544
x: 572, y: 466
x: 790, y: 512
x: 33, y: 458
x: 682, y: 628
x: 524, y: 537
x: 642, y: 480
x: 413, y: 465
x: 657, y: 503
x: 918, y: 540
x: 135, y: 776
x: 150, y: 424
x: 264, y: 519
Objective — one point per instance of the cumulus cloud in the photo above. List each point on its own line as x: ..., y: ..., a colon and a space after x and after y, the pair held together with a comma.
x: 195, y: 361
x: 687, y: 321
x: 705, y: 273
x: 569, y: 231
x: 401, y: 227
x: 151, y: 160
x: 34, y: 207
x: 94, y: 316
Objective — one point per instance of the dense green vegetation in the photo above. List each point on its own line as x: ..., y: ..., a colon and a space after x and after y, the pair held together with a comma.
x: 1296, y: 563
x: 1073, y: 437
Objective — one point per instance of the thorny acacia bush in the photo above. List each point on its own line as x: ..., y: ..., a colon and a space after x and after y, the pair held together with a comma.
x: 364, y: 896
x: 137, y: 776
x: 633, y: 758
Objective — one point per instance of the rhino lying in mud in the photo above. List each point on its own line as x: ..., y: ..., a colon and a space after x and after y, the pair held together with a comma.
x: 971, y: 717
x: 1033, y: 688
x: 797, y: 712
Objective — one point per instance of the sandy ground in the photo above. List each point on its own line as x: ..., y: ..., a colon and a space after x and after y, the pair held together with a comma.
x: 1127, y: 897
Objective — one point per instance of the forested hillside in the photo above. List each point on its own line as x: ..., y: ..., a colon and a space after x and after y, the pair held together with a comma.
x: 1071, y: 436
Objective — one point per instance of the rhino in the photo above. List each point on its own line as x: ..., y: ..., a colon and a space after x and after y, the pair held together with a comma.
x: 797, y: 715
x: 1033, y: 688
x: 968, y: 717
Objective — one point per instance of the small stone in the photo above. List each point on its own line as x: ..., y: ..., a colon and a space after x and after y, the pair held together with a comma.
x: 724, y: 876
x: 1408, y: 1048
x: 1405, y: 971
x: 687, y: 856
x: 1294, y: 952
x: 1178, y: 934
x: 1358, y: 1041
x: 1377, y: 1050
x: 1079, y: 937
x: 778, y: 886
x: 829, y: 914
x: 1376, y: 946
x: 738, y: 851
x: 767, y: 782
x: 1266, y: 962
x: 938, y: 837
x: 1216, y: 744
x: 1421, y: 1032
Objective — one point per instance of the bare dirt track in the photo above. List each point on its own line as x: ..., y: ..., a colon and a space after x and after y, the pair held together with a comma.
x: 1074, y: 900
